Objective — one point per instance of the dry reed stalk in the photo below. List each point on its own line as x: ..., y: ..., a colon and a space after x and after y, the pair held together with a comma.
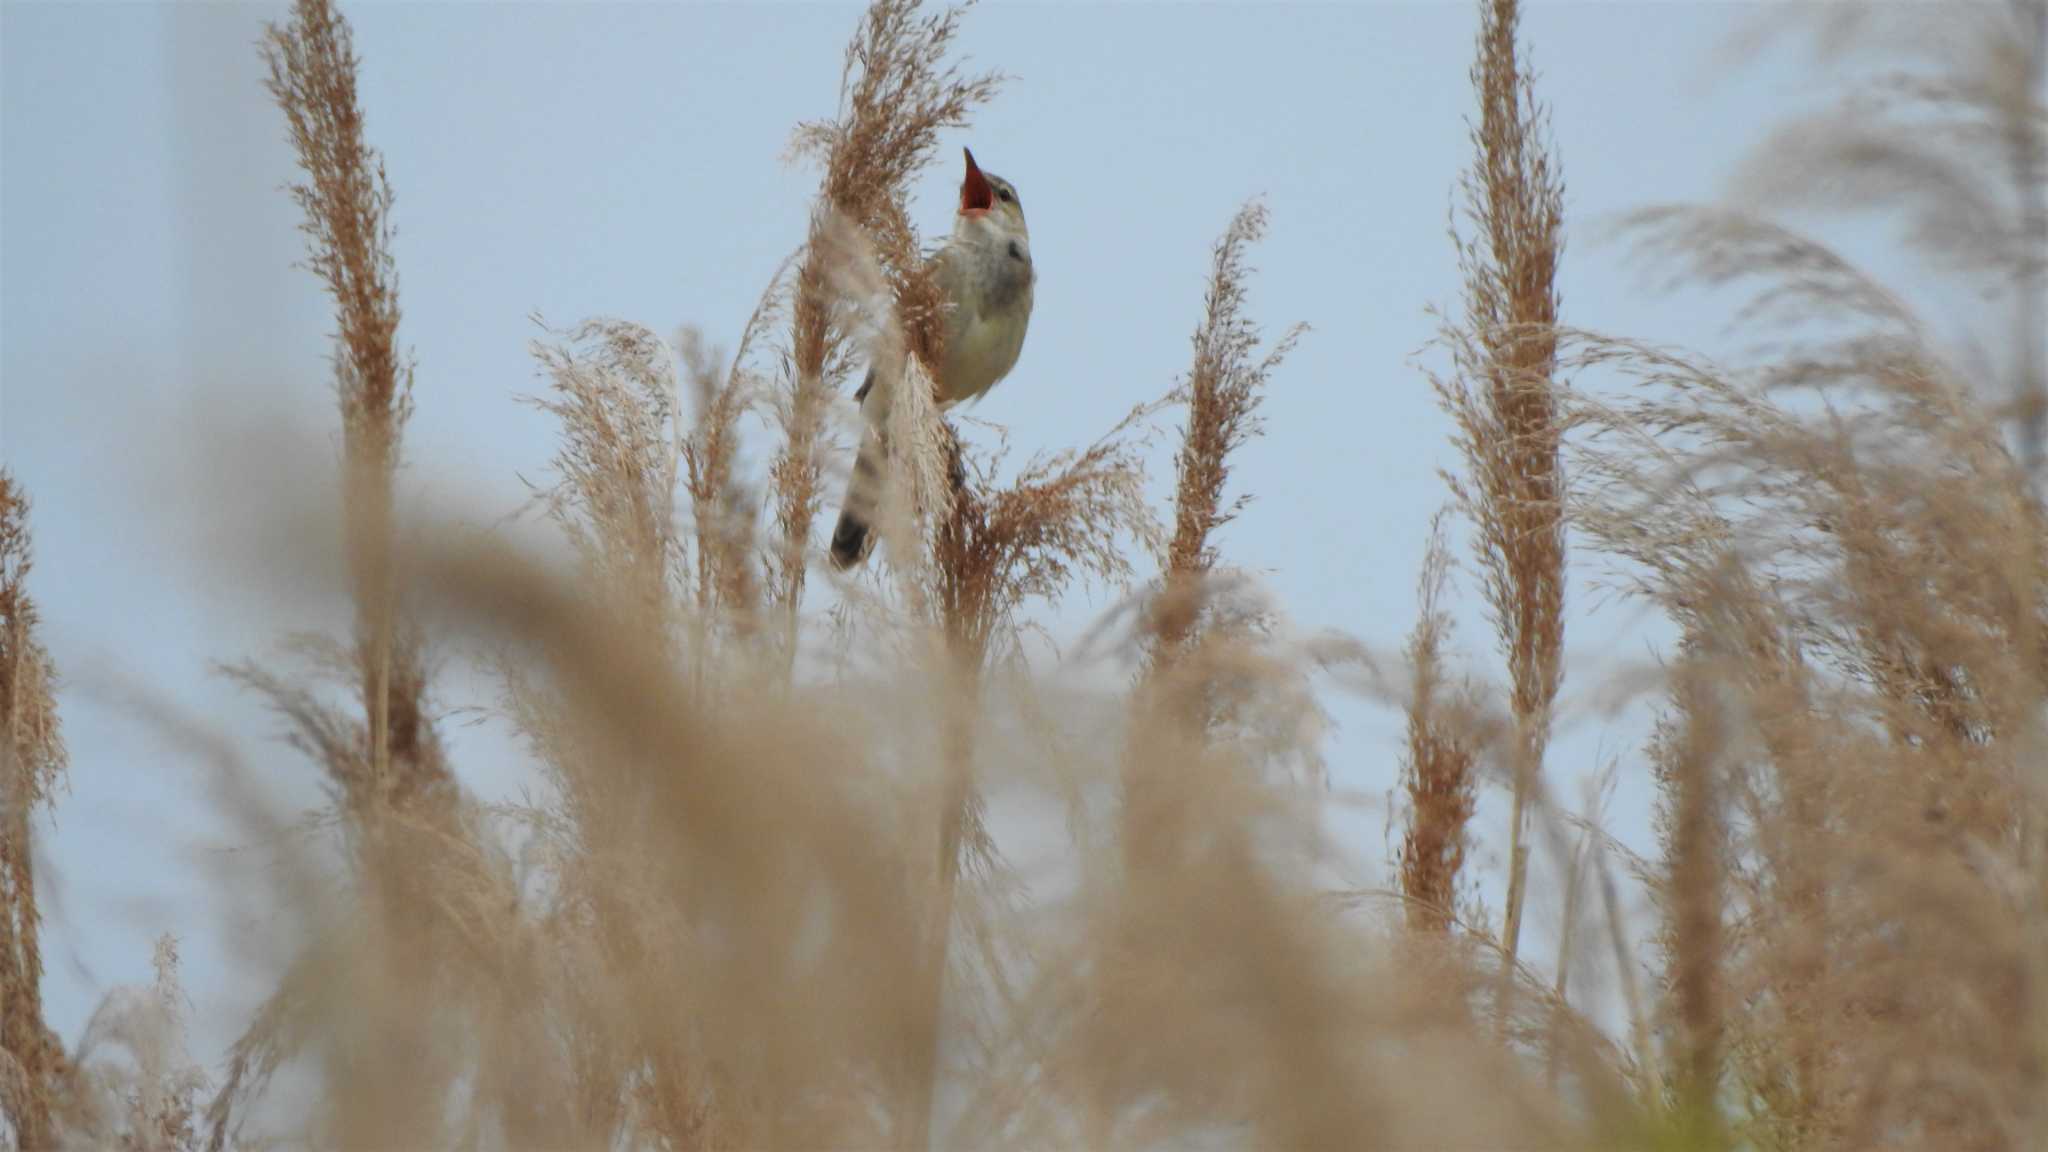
x: 1063, y: 517
x: 146, y: 1098
x: 1867, y: 572
x: 1438, y: 768
x: 33, y: 1066
x: 1687, y: 752
x: 347, y: 205
x: 721, y: 919
x: 619, y: 472
x: 1860, y: 794
x: 1305, y: 1038
x: 1222, y: 391
x: 1192, y: 644
x: 617, y: 404
x: 1502, y: 396
x: 346, y: 200
x: 409, y: 835
x: 726, y: 515
x: 1843, y: 523
x: 1185, y: 628
x: 615, y: 398
x: 949, y: 591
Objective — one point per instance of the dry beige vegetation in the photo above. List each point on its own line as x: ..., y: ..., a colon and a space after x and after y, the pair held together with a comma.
x: 758, y: 907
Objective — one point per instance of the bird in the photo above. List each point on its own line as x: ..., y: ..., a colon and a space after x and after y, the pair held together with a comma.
x: 986, y: 278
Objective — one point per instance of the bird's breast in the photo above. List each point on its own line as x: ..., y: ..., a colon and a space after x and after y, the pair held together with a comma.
x: 981, y: 352
x: 988, y: 325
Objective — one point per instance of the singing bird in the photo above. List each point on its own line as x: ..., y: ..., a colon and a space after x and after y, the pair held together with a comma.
x: 985, y: 277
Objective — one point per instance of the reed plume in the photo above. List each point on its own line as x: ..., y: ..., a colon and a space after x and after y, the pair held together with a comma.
x: 1438, y: 770
x: 1502, y: 396
x: 1222, y: 389
x: 34, y: 1069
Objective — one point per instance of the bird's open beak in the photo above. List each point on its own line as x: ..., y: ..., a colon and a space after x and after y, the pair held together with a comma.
x: 977, y: 195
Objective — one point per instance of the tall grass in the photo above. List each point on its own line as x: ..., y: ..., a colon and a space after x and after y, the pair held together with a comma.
x: 757, y: 902
x: 1502, y: 396
x: 34, y: 1069
x: 1438, y: 772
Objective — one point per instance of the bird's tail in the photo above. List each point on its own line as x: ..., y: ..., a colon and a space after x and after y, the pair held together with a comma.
x: 856, y: 512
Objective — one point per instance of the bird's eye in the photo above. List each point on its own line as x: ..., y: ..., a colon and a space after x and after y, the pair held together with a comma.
x: 1005, y: 195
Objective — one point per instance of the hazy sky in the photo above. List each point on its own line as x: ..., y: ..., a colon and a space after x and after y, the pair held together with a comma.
x: 626, y: 159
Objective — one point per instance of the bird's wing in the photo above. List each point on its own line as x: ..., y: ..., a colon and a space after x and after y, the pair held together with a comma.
x: 949, y: 271
x: 935, y: 262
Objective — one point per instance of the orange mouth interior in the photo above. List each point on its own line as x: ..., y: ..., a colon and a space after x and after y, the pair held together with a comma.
x: 977, y: 195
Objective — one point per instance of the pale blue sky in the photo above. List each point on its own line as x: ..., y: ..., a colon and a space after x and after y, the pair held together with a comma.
x: 624, y: 159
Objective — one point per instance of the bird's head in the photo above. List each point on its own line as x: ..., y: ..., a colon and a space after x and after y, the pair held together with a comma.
x: 988, y: 201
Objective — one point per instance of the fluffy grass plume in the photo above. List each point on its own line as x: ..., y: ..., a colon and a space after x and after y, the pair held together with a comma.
x: 1502, y: 397
x: 1222, y: 390
x: 33, y: 1065
x: 1438, y: 770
